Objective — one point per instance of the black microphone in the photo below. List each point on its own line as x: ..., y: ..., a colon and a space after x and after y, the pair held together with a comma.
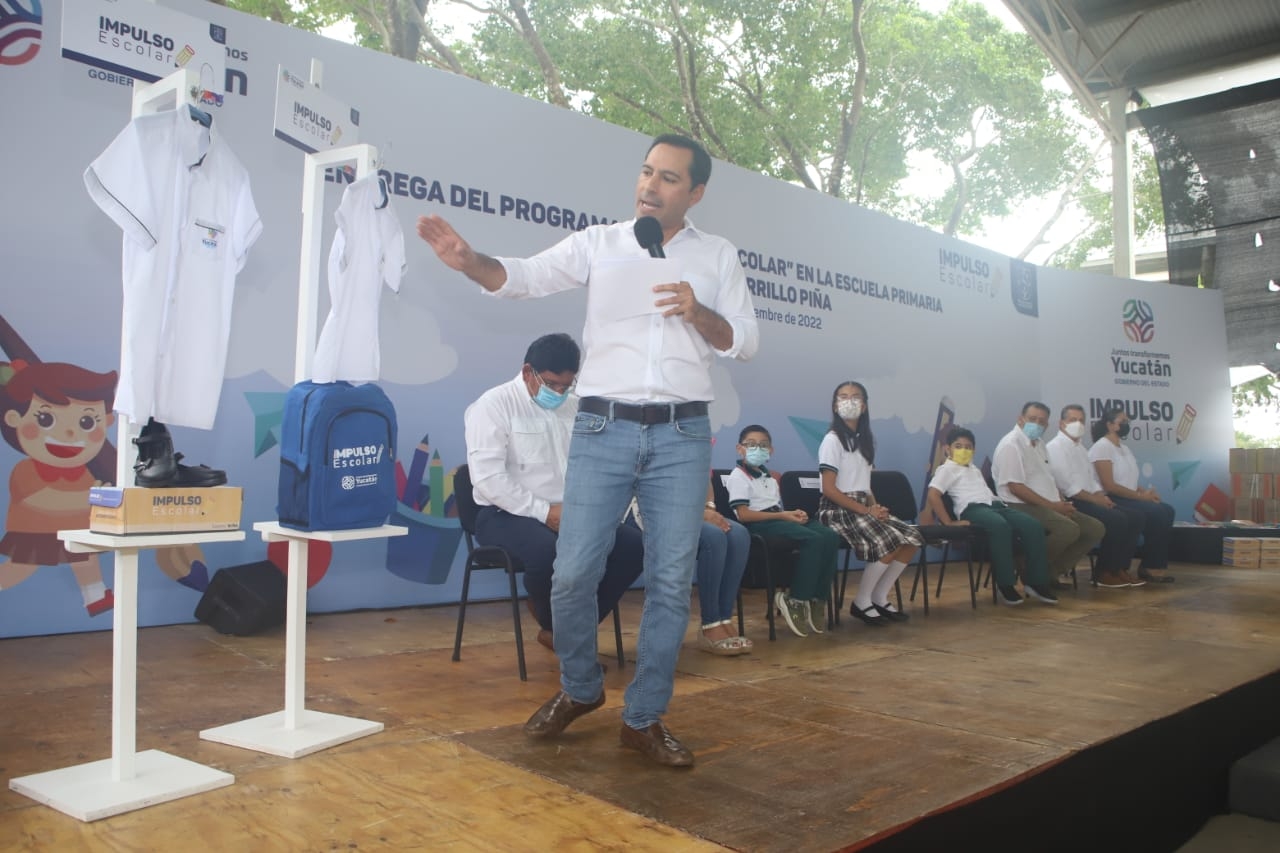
x: 649, y: 236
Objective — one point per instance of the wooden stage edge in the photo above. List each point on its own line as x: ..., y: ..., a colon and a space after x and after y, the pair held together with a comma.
x: 1025, y: 727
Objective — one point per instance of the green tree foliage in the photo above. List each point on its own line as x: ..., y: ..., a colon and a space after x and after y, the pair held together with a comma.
x: 845, y: 97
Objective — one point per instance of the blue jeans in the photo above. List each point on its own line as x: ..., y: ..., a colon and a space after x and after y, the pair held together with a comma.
x: 665, y: 467
x: 722, y: 558
x: 535, y: 544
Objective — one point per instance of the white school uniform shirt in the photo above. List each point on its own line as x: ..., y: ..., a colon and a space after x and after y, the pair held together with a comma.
x: 1072, y: 470
x: 756, y: 490
x: 646, y: 358
x: 1017, y: 460
x: 1124, y: 467
x: 182, y: 199
x: 853, y: 471
x: 367, y: 252
x: 517, y: 451
x: 964, y: 483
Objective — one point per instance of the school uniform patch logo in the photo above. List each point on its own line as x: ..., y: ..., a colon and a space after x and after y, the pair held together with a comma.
x: 1139, y: 321
x: 20, y: 31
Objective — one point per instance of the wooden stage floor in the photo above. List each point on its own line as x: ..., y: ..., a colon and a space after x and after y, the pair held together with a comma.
x: 806, y: 745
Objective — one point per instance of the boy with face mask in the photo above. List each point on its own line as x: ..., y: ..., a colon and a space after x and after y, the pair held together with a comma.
x: 975, y: 504
x: 755, y: 499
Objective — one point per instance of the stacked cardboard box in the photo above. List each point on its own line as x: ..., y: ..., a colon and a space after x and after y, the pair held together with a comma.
x: 1270, y: 553
x: 1242, y: 553
x: 1255, y: 484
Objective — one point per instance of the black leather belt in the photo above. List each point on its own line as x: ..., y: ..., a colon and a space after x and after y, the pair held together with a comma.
x: 646, y: 413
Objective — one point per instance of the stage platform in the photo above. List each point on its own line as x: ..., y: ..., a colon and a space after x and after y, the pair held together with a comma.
x: 1104, y: 723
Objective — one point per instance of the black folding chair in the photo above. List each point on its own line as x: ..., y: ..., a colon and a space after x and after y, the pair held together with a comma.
x: 482, y: 557
x: 801, y: 490
x: 893, y: 490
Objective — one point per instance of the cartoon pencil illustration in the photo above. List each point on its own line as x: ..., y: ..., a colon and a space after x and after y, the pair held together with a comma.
x: 413, y: 486
x: 437, y: 485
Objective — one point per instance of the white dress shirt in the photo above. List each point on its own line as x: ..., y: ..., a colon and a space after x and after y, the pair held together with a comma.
x: 518, y: 451
x: 367, y: 252
x: 1072, y: 470
x: 1124, y: 467
x: 183, y: 201
x: 1017, y: 460
x: 645, y: 358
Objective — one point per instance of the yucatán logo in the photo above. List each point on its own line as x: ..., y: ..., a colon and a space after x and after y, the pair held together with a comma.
x: 20, y: 30
x: 1022, y: 287
x: 1139, y: 321
x: 358, y: 456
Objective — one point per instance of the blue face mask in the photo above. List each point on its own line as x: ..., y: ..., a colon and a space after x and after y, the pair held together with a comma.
x: 546, y: 398
x: 757, y: 456
x: 1032, y: 431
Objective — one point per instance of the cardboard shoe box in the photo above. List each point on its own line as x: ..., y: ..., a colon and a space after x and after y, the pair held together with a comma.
x: 1241, y: 552
x: 135, y: 510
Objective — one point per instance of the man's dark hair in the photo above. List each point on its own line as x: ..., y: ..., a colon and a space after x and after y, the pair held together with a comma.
x: 1071, y: 407
x: 556, y: 353
x: 1035, y: 404
x: 754, y: 428
x: 700, y: 168
x: 959, y: 432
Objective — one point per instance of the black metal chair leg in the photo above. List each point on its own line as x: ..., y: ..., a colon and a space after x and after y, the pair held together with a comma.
x: 617, y: 637
x: 515, y: 618
x: 462, y: 614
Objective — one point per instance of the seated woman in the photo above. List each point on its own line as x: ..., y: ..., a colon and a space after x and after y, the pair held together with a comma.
x: 1118, y: 473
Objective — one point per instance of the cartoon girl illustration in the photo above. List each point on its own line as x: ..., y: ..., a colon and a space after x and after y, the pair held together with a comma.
x: 56, y: 415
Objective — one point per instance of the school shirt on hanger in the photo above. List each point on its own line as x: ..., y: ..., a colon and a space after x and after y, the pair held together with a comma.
x: 183, y: 201
x: 368, y: 250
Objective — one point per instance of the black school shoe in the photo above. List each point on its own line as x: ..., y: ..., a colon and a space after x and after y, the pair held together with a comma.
x: 158, y: 467
x: 891, y: 615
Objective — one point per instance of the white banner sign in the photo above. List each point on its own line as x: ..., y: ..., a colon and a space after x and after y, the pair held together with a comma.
x: 309, y: 118
x: 142, y: 40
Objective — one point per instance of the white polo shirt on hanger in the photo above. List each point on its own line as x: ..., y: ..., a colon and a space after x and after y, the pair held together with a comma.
x: 368, y: 250
x: 182, y: 199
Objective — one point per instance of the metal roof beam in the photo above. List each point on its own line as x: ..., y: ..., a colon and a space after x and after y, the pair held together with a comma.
x: 1108, y: 11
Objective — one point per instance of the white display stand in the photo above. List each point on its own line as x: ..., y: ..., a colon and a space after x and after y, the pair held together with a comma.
x: 129, y: 779
x: 295, y: 731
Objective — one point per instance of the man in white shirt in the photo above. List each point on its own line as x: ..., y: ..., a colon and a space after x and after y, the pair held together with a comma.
x: 1075, y: 477
x: 1024, y: 480
x: 517, y: 452
x: 642, y: 428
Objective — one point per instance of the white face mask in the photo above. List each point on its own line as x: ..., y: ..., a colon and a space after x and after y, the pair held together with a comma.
x: 1074, y: 430
x: 849, y: 409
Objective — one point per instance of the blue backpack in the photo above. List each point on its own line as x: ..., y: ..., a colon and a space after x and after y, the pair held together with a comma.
x: 337, y: 457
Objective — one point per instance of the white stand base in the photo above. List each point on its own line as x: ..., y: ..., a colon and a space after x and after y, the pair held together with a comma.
x: 87, y: 791
x: 268, y: 733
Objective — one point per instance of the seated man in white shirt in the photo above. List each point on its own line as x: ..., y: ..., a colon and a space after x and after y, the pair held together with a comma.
x: 1024, y: 480
x: 1074, y: 474
x: 518, y: 449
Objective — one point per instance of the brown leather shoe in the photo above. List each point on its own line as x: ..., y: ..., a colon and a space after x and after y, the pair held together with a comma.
x: 556, y: 715
x: 657, y: 743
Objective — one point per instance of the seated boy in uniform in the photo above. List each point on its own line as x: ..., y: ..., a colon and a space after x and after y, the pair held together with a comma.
x: 754, y: 497
x: 975, y: 504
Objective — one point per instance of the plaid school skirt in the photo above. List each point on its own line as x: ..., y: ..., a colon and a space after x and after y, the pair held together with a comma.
x: 870, y: 538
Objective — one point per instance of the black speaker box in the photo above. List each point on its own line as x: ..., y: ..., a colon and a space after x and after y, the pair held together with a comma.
x: 244, y: 600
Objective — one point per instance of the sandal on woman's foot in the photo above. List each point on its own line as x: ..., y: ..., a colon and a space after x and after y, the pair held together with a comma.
x: 725, y: 646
